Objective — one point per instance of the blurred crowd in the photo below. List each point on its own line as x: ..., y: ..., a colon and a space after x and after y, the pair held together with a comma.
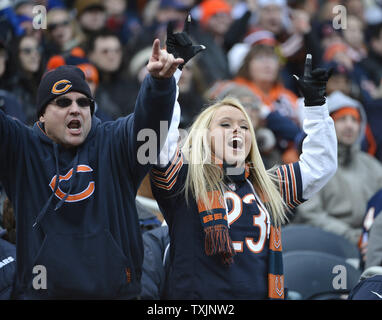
x: 254, y: 47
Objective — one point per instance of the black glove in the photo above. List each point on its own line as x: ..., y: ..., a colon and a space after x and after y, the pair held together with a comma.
x: 180, y: 44
x: 313, y: 83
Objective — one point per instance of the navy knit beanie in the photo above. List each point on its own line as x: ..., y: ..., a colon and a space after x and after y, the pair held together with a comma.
x: 58, y: 82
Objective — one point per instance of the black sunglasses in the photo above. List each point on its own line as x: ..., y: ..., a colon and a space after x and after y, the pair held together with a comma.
x: 66, y: 102
x: 53, y: 26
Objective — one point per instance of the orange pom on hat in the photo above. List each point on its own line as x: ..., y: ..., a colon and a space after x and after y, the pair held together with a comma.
x: 55, y: 62
x: 78, y: 52
x: 209, y: 8
x: 90, y: 71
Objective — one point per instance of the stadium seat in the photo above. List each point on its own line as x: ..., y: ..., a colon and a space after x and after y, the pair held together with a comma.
x: 315, y: 275
x: 304, y: 237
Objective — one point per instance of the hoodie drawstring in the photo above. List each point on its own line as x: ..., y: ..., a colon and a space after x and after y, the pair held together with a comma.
x: 44, y: 210
x: 62, y: 201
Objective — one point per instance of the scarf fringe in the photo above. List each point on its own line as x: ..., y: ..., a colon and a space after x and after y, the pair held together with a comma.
x: 218, y: 241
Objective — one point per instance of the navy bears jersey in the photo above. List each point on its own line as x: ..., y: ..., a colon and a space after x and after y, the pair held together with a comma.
x: 193, y: 274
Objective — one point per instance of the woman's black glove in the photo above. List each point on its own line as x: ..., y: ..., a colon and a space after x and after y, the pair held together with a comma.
x: 180, y: 44
x: 313, y: 83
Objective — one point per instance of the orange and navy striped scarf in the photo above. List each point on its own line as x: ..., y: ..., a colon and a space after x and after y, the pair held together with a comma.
x: 218, y: 241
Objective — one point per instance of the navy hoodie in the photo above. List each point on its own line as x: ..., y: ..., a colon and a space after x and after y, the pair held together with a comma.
x: 84, y: 231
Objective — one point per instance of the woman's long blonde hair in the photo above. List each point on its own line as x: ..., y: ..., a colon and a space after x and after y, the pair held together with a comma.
x: 203, y: 175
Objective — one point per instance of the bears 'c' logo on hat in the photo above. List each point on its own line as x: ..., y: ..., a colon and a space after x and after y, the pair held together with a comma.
x: 61, y: 86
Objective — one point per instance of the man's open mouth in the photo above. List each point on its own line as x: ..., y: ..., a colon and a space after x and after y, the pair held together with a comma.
x: 74, y: 126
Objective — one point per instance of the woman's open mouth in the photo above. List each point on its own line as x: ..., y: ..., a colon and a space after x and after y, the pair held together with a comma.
x: 236, y: 143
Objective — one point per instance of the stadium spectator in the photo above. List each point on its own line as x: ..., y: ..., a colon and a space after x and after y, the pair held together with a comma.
x: 229, y: 29
x: 63, y: 32
x: 354, y: 38
x: 24, y: 18
x: 191, y: 85
x: 374, y: 249
x: 372, y: 64
x: 340, y: 79
x: 77, y: 57
x: 349, y: 47
x: 155, y: 266
x: 370, y: 243
x: 355, y: 8
x: 29, y: 60
x: 102, y: 185
x: 156, y: 15
x: 91, y: 15
x: 267, y: 124
x: 215, y: 20
x: 340, y: 206
x: 260, y: 72
x: 293, y: 28
x: 120, y: 20
x: 8, y: 101
x: 205, y: 198
x: 115, y: 93
x: 191, y: 93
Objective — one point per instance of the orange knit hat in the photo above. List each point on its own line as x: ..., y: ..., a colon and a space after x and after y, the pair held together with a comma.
x: 208, y: 8
x: 77, y: 57
x: 345, y: 111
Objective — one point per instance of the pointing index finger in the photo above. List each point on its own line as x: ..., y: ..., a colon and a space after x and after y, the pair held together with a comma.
x: 308, y: 66
x: 187, y: 24
x: 170, y: 28
x: 155, y: 53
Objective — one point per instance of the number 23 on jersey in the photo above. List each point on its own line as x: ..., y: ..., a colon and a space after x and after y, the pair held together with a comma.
x: 259, y: 220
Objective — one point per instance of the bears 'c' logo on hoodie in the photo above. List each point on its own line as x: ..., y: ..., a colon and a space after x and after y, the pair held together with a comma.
x: 61, y: 86
x: 86, y: 193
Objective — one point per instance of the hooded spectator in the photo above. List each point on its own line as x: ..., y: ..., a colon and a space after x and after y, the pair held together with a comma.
x: 340, y: 206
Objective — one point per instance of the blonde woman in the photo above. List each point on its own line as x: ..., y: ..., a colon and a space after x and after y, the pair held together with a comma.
x: 224, y: 210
